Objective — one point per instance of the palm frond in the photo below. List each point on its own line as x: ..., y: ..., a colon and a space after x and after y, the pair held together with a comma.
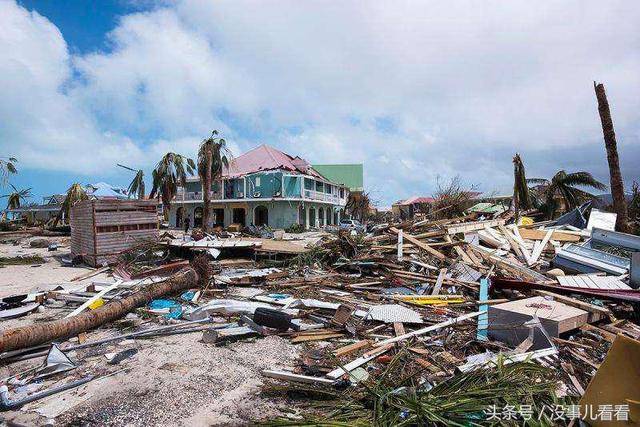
x: 583, y: 179
x: 7, y: 167
x: 137, y: 185
x: 15, y: 198
x: 537, y: 181
x: 170, y: 172
x: 75, y: 194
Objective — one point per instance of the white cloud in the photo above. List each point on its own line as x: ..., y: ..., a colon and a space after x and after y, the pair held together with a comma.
x: 413, y: 90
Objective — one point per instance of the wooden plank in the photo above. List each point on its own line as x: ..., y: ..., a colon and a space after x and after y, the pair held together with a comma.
x: 438, y: 285
x: 337, y: 373
x: 514, y: 245
x: 347, y: 349
x: 532, y: 234
x: 398, y: 328
x: 93, y: 299
x: 538, y: 251
x: 320, y: 337
x: 428, y: 329
x: 90, y: 274
x: 605, y: 334
x: 472, y: 226
x: 591, y: 308
x: 288, y: 376
x: 420, y: 244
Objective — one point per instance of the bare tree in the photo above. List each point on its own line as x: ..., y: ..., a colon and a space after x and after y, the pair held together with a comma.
x: 617, y: 186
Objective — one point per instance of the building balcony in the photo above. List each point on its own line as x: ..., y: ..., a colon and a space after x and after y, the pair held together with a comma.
x: 323, y: 197
x: 196, y: 195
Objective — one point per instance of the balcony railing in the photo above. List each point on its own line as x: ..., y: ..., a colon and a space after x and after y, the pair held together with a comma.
x: 308, y: 194
x: 325, y: 197
x: 197, y: 195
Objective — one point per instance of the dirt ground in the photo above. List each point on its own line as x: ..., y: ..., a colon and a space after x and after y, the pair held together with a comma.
x: 171, y: 380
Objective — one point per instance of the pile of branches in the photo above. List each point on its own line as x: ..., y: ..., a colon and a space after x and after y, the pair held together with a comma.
x: 345, y: 246
x: 143, y: 255
x: 465, y: 399
x: 451, y: 200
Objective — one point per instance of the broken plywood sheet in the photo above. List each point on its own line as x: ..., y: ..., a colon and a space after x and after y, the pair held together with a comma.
x: 282, y: 246
x: 391, y: 313
x: 591, y: 281
x: 506, y: 320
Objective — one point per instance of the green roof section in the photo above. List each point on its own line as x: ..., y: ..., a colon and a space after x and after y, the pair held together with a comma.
x: 350, y: 175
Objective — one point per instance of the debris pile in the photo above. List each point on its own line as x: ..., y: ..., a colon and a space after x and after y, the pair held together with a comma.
x: 454, y: 321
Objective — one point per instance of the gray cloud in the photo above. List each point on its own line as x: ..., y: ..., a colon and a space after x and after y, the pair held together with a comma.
x: 416, y: 91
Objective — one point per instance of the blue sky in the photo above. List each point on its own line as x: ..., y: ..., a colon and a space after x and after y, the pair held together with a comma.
x: 418, y: 91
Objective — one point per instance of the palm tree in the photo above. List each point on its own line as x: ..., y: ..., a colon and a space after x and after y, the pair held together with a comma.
x: 521, y: 195
x: 75, y: 193
x: 7, y: 166
x: 358, y: 205
x: 137, y: 184
x: 170, y: 172
x: 16, y: 197
x: 213, y: 156
x: 563, y: 185
x: 615, y: 177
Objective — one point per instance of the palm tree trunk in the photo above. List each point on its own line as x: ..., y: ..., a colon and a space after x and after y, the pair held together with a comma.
x: 44, y: 332
x: 206, y: 191
x: 617, y: 187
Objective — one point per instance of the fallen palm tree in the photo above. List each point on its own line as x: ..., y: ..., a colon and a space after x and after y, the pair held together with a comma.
x: 41, y: 333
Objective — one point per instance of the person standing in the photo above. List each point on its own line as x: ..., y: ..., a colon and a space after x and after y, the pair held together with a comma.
x: 187, y: 223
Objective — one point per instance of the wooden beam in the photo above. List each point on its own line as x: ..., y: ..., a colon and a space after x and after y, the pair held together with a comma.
x: 288, y: 376
x: 538, y: 251
x: 438, y: 285
x: 347, y: 349
x: 428, y: 329
x: 420, y: 244
x: 337, y: 373
x: 558, y: 236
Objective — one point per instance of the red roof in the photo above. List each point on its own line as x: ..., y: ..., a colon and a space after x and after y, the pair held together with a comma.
x: 417, y: 200
x: 264, y: 158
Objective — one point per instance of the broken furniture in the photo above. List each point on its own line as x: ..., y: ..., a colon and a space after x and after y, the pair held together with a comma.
x: 506, y: 321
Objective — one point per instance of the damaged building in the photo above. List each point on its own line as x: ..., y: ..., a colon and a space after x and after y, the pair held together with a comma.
x: 264, y: 186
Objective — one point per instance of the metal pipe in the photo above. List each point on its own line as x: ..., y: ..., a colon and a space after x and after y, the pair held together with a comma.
x: 7, y: 404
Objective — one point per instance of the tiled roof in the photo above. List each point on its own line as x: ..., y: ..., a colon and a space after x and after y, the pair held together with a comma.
x: 264, y: 158
x: 417, y: 200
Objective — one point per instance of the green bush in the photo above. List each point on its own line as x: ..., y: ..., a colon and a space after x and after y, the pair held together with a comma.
x: 295, y: 228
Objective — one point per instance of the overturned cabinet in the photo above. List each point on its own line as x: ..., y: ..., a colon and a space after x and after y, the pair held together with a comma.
x: 102, y: 229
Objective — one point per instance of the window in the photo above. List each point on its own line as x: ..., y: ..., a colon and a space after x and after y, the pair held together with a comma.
x: 308, y: 184
x: 319, y: 186
x: 257, y: 181
x: 328, y: 189
x: 342, y: 193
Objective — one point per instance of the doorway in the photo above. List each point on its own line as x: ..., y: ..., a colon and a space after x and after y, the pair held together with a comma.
x: 239, y: 216
x: 197, y: 217
x: 218, y: 217
x: 179, y: 213
x: 261, y: 215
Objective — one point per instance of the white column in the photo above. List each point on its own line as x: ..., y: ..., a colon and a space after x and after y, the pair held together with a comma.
x: 316, y: 219
x: 306, y: 214
x: 400, y: 239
